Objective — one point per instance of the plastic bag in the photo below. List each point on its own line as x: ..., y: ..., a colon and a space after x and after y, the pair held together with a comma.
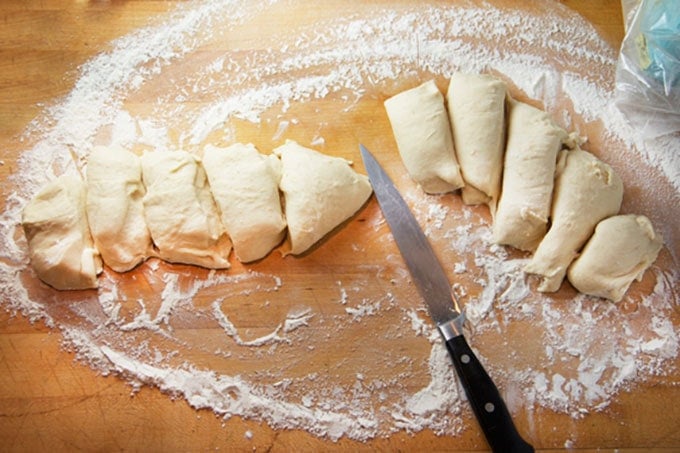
x: 648, y: 70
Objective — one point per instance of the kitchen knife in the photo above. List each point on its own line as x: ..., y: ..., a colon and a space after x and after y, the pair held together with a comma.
x: 434, y: 287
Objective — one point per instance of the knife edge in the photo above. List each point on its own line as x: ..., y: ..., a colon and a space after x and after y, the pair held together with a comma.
x: 421, y: 260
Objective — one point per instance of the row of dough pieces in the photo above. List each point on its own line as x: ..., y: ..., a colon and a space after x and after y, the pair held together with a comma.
x: 529, y: 171
x: 183, y: 209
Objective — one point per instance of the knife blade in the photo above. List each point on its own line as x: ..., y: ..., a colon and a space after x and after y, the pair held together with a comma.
x: 434, y: 287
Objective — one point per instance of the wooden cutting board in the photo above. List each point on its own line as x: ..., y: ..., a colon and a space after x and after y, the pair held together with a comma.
x: 49, y: 401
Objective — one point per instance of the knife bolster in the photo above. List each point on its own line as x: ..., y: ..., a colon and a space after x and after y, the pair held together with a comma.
x: 453, y: 328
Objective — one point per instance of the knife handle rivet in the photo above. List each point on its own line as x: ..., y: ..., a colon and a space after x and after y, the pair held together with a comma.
x: 489, y: 407
x: 465, y: 358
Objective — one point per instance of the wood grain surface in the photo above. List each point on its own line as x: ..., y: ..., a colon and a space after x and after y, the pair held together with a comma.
x: 48, y: 401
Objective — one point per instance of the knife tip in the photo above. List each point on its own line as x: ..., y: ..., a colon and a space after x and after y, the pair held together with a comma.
x: 364, y: 151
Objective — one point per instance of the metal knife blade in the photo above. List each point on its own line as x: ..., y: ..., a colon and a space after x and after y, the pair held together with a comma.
x: 433, y: 285
x: 427, y: 273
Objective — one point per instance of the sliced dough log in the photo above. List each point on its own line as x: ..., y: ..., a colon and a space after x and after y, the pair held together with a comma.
x: 60, y: 246
x: 620, y: 251
x: 180, y: 211
x: 528, y: 177
x: 245, y: 185
x: 320, y: 192
x: 586, y: 191
x: 423, y: 134
x: 115, y: 210
x: 476, y: 106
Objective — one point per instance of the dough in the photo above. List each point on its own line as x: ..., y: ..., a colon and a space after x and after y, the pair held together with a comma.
x: 59, y: 243
x: 423, y: 134
x: 620, y: 251
x: 528, y: 176
x: 245, y: 185
x: 586, y: 191
x: 320, y: 192
x: 115, y: 211
x: 180, y: 211
x: 476, y: 106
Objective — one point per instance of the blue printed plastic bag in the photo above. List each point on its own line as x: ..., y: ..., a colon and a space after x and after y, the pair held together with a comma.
x: 648, y: 72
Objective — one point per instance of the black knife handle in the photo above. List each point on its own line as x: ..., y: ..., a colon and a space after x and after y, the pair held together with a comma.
x: 487, y: 404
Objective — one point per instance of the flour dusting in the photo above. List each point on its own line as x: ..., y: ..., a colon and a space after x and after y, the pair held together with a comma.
x: 181, y: 329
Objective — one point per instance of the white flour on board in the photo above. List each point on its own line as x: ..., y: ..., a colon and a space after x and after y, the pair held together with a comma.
x: 599, y: 349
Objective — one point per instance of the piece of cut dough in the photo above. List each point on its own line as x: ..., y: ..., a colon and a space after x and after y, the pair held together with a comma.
x: 423, y: 134
x: 620, y: 251
x: 528, y: 176
x: 60, y: 246
x: 476, y: 106
x: 180, y: 211
x: 320, y: 192
x: 115, y: 210
x: 586, y: 191
x: 245, y: 185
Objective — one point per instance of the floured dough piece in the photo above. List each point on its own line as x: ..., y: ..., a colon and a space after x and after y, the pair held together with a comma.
x: 59, y: 243
x: 180, y: 211
x: 320, y: 192
x: 423, y: 134
x: 586, y: 191
x: 245, y: 185
x: 620, y: 251
x: 528, y: 176
x: 115, y: 211
x: 476, y: 106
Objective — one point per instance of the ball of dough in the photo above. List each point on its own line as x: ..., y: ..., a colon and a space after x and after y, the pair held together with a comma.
x: 320, y: 192
x: 476, y: 106
x: 115, y: 210
x: 423, y: 134
x: 586, y: 191
x: 521, y: 218
x: 60, y: 247
x: 180, y: 211
x: 620, y: 251
x: 245, y: 185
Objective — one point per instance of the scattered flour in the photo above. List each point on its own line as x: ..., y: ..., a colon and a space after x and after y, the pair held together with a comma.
x: 591, y: 350
x: 280, y: 130
x: 230, y: 330
x: 318, y: 141
x: 369, y: 307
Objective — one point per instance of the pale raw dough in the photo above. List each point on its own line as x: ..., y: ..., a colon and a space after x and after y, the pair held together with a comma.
x: 620, y: 251
x: 586, y: 191
x: 528, y: 177
x: 180, y: 211
x: 115, y: 211
x: 245, y: 185
x: 320, y: 192
x: 476, y: 106
x: 60, y: 247
x: 423, y: 134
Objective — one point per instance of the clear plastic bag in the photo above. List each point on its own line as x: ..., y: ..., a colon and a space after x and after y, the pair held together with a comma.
x: 648, y: 71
